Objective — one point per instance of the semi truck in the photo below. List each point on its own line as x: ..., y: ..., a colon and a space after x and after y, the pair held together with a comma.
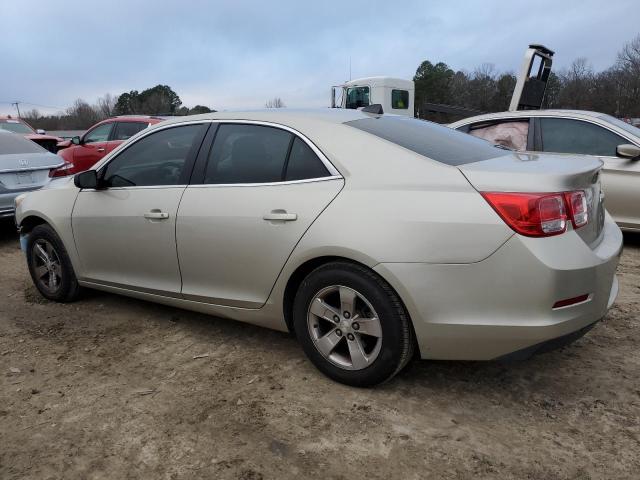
x: 397, y: 95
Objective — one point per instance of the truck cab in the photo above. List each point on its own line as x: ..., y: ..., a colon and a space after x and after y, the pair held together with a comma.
x: 395, y: 95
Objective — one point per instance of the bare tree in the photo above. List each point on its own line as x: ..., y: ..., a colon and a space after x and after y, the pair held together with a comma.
x: 276, y: 102
x: 105, y: 106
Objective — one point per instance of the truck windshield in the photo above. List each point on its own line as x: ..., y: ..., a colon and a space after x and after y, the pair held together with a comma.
x: 429, y: 139
x: 357, y: 97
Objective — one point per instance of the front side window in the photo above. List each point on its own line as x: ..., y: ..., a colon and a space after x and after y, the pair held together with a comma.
x: 126, y: 130
x: 400, y: 99
x: 157, y: 159
x: 563, y: 135
x: 247, y: 154
x: 510, y: 134
x: 99, y: 134
x: 357, y: 97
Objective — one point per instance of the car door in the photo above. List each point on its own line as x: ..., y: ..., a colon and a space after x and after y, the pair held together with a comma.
x: 620, y: 177
x: 122, y: 131
x: 93, y: 146
x: 124, y: 231
x: 256, y: 191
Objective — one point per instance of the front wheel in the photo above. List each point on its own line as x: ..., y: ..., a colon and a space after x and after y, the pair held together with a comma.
x: 49, y: 265
x: 352, y: 325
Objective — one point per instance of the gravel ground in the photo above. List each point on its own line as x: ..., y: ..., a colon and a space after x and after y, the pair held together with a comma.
x: 110, y: 387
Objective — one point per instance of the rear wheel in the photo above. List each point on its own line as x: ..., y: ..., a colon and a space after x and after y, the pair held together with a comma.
x: 49, y: 265
x: 352, y: 325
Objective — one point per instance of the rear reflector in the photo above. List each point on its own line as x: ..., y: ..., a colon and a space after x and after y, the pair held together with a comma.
x: 63, y: 171
x: 571, y: 301
x: 539, y: 214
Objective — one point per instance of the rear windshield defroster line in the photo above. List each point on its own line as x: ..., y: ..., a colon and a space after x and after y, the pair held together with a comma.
x: 429, y: 139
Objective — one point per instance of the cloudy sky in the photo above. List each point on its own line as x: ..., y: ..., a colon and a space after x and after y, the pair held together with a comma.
x: 238, y: 54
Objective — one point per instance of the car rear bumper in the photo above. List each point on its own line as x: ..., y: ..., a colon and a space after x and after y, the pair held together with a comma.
x: 504, y: 304
x: 7, y: 204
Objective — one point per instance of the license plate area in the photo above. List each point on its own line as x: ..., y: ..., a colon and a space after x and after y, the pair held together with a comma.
x: 24, y: 178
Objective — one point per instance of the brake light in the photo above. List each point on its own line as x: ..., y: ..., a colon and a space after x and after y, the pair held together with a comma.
x: 539, y: 214
x: 63, y: 171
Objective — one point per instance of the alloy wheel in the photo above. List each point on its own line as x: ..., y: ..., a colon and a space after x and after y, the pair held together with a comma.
x: 344, y: 327
x: 46, y: 265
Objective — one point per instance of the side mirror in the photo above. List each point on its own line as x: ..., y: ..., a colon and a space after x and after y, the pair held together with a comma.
x: 88, y: 179
x: 627, y: 150
x: 75, y: 140
x: 41, y: 131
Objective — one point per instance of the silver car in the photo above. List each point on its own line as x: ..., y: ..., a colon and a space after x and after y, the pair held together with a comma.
x: 372, y: 237
x: 572, y: 132
x: 24, y: 166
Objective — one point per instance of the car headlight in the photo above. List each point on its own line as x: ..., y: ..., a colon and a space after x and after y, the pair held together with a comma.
x: 18, y: 200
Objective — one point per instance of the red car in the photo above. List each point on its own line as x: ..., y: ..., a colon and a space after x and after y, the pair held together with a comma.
x: 83, y: 152
x: 19, y: 126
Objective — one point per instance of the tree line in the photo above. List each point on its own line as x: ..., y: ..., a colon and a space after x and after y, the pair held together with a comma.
x: 158, y: 100
x: 615, y: 91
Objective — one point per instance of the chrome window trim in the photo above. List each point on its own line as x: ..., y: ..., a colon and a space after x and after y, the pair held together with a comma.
x: 334, y: 173
x: 264, y: 184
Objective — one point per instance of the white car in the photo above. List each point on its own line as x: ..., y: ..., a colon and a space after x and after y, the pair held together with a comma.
x: 572, y: 132
x: 369, y: 236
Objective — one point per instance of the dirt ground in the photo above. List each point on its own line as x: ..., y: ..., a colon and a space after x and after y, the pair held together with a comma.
x: 114, y: 388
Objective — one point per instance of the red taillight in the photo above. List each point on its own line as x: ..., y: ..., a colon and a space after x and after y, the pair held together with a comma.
x: 539, y: 214
x: 63, y: 171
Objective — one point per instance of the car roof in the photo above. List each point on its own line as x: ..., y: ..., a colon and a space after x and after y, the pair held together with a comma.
x: 285, y: 116
x: 528, y: 113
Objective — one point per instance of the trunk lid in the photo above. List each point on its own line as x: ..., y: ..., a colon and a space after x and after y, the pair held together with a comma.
x: 541, y: 173
x: 26, y: 171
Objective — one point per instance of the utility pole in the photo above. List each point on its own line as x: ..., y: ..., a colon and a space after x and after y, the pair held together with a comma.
x: 17, y: 104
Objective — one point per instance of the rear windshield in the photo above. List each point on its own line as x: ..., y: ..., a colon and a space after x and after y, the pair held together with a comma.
x: 11, y: 143
x: 15, y: 126
x: 434, y: 141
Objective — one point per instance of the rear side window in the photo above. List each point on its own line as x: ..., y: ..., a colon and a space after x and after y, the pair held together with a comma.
x: 399, y: 99
x: 510, y: 134
x: 247, y: 154
x: 304, y: 163
x: 562, y: 135
x: 157, y: 159
x: 126, y: 130
x: 431, y: 140
x: 12, y: 143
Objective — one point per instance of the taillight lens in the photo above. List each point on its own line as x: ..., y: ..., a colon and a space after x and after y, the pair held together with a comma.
x: 539, y: 214
x: 63, y: 171
x: 577, y: 203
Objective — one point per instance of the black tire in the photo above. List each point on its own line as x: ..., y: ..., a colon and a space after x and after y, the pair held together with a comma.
x: 64, y: 289
x: 397, y: 340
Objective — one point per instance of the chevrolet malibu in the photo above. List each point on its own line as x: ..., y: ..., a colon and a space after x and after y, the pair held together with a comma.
x: 371, y: 236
